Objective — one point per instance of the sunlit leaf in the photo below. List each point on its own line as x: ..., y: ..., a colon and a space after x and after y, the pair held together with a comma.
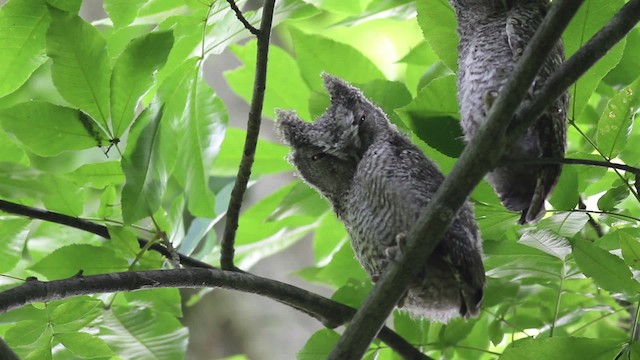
x: 614, y: 127
x: 630, y: 250
x: 571, y: 348
x: 319, y: 345
x: 547, y: 242
x: 565, y: 224
x: 438, y: 22
x: 70, y: 260
x: 13, y: 234
x: 122, y: 12
x: 84, y: 345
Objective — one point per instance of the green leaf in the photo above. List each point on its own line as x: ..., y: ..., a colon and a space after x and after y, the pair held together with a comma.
x: 565, y: 224
x: 84, y: 345
x: 628, y: 68
x: 547, y: 242
x: 71, y: 315
x: 565, y: 195
x: 433, y: 116
x: 607, y: 270
x: 122, y: 12
x: 81, y: 66
x: 72, y: 6
x: 63, y: 196
x: 69, y: 260
x: 591, y: 16
x: 630, y: 250
x: 316, y: 54
x: 389, y: 96
x: 269, y: 159
x: 319, y: 345
x: 98, y: 175
x: 570, y: 348
x: 206, y: 122
x: 286, y: 88
x: 159, y: 300
x: 614, y: 127
x: 438, y: 22
x: 353, y: 293
x: 141, y: 334
x: 613, y: 197
x: 133, y: 75
x: 145, y: 165
x: 301, y: 200
x: 494, y: 221
x: 58, y: 128
x: 328, y: 238
x: 23, y: 25
x: 13, y: 234
x: 25, y: 332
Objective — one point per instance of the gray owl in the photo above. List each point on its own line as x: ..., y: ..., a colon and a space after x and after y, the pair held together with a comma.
x: 493, y: 35
x: 378, y: 183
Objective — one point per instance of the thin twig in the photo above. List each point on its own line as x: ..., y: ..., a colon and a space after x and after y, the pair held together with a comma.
x: 251, y: 140
x: 329, y: 312
x: 481, y: 154
x: 242, y: 19
x: 594, y: 224
x: 88, y: 226
x: 572, y: 161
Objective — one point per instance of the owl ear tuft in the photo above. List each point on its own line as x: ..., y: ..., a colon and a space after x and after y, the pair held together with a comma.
x: 340, y: 90
x: 290, y: 127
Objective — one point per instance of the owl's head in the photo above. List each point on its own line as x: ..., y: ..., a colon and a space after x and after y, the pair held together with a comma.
x: 326, y: 152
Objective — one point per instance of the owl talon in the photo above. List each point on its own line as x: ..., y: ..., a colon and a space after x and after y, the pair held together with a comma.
x: 375, y: 278
x: 489, y: 98
x: 394, y: 252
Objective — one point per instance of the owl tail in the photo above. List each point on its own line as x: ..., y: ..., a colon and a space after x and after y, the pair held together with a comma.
x: 471, y: 301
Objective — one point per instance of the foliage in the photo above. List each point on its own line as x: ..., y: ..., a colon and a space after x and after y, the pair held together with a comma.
x: 113, y: 122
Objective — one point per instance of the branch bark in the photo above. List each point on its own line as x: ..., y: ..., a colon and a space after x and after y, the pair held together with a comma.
x: 242, y: 19
x: 481, y: 154
x: 251, y: 140
x: 330, y: 313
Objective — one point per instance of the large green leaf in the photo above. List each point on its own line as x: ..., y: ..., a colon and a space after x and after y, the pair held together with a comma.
x: 630, y: 250
x: 81, y: 67
x: 98, y: 175
x: 122, y: 12
x: 205, y: 123
x: 591, y: 16
x: 615, y: 123
x: 141, y: 334
x: 316, y: 54
x: 438, y: 22
x: 566, y: 224
x: 146, y: 164
x: 49, y: 130
x: 628, y: 69
x: 84, y: 345
x: 23, y: 25
x: 133, y: 75
x: 319, y: 345
x: 547, y: 242
x: 69, y: 260
x: 607, y: 270
x: 13, y: 234
x: 286, y: 88
x: 73, y: 314
x: 569, y: 348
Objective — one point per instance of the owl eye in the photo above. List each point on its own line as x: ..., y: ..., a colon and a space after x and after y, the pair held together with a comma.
x: 318, y: 156
x: 359, y: 121
x: 362, y: 118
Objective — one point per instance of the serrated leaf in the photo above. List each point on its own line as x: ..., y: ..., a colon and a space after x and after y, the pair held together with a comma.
x: 287, y: 89
x: 23, y: 25
x: 133, y: 75
x: 566, y: 224
x: 98, y: 175
x: 614, y: 127
x: 58, y: 128
x: 570, y: 348
x: 607, y: 270
x: 547, y: 242
x: 25, y: 332
x: 69, y: 260
x: 81, y: 67
x: 591, y: 16
x: 630, y: 250
x: 438, y: 22
x: 84, y: 345
x: 319, y: 345
x: 141, y: 334
x: 145, y: 165
x: 73, y: 314
x: 316, y: 54
x: 613, y: 197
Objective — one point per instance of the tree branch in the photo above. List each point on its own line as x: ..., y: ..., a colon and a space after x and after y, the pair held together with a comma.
x: 242, y: 19
x: 251, y: 140
x: 88, y: 226
x: 571, y: 161
x: 6, y: 353
x: 329, y: 312
x: 481, y: 154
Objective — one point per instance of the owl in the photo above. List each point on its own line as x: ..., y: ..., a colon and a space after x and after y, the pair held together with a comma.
x: 493, y: 35
x: 378, y: 184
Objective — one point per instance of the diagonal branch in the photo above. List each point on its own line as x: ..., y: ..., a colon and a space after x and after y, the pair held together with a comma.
x: 251, y: 140
x: 88, y: 226
x: 242, y: 19
x: 481, y: 154
x: 329, y: 312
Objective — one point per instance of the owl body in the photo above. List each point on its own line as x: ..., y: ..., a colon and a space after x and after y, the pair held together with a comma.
x: 378, y: 183
x: 493, y: 35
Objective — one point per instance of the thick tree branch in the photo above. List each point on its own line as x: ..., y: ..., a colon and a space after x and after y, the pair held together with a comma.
x: 329, y: 312
x: 571, y: 161
x: 242, y: 19
x: 6, y: 353
x: 251, y: 140
x: 481, y: 154
x: 88, y: 226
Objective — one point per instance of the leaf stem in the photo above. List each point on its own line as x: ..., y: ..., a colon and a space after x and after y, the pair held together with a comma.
x: 557, y: 310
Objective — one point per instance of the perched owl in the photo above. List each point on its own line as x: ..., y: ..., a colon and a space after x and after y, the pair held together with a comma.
x: 493, y: 35
x: 379, y: 183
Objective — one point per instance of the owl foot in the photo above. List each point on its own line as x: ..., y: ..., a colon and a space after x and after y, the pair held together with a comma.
x: 489, y: 98
x: 394, y: 252
x: 376, y: 277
